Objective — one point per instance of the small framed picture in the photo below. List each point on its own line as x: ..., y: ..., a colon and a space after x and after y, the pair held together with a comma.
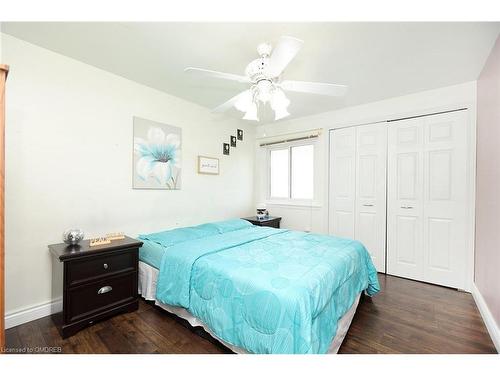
x: 239, y: 133
x: 225, y: 148
x: 208, y: 165
x: 233, y: 141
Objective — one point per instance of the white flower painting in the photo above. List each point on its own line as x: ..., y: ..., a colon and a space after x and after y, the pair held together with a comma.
x: 157, y: 155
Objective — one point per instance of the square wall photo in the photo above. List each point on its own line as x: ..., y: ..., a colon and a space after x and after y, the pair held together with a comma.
x: 157, y: 155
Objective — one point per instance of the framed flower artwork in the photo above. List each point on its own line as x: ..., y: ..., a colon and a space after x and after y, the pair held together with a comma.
x: 157, y: 155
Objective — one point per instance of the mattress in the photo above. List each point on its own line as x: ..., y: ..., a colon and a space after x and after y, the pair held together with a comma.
x: 151, y: 253
x: 148, y: 276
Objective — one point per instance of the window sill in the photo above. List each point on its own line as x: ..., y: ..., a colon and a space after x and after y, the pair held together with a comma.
x: 293, y: 203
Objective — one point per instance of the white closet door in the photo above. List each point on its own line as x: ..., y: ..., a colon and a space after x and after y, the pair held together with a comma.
x: 342, y: 182
x: 405, y: 199
x: 427, y: 205
x: 445, y: 199
x: 370, y: 211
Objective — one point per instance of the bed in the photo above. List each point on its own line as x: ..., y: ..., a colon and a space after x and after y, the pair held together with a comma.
x: 258, y: 289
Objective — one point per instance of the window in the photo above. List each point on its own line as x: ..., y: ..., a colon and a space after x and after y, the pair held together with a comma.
x: 279, y: 173
x: 291, y: 173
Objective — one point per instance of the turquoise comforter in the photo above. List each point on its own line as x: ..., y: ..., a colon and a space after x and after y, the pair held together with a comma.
x: 266, y: 290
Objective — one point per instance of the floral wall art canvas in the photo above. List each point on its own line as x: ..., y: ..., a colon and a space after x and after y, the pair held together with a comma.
x: 157, y: 155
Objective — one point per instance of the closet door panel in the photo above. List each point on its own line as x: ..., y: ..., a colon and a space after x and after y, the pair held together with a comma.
x: 370, y: 223
x: 445, y: 199
x: 404, y: 199
x: 342, y: 182
x: 427, y: 199
x: 407, y: 241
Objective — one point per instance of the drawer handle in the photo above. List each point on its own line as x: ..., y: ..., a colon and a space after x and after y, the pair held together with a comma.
x: 105, y: 289
x: 407, y: 207
x: 368, y: 205
x: 105, y: 265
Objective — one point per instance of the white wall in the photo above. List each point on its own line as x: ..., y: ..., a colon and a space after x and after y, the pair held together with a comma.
x: 69, y: 163
x: 315, y: 218
x: 487, y: 267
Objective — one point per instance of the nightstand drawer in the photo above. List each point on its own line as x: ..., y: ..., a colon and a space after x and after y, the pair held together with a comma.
x: 92, y: 298
x: 270, y: 223
x: 83, y: 270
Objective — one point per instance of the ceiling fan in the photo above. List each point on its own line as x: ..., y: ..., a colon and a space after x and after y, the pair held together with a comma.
x: 264, y: 74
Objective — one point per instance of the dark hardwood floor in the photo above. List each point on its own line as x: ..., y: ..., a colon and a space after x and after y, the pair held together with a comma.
x: 412, y: 317
x: 405, y: 317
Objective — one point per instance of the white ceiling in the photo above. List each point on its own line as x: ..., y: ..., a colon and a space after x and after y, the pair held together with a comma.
x: 376, y: 60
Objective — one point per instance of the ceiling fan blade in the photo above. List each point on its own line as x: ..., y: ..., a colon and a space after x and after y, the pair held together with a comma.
x: 282, y: 54
x: 318, y: 88
x: 215, y: 74
x: 231, y: 102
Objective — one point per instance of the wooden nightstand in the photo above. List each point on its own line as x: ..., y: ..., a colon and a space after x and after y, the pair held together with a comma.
x: 271, y: 221
x: 95, y: 282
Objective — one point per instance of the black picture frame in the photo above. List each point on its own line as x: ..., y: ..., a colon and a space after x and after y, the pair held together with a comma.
x: 233, y: 141
x: 239, y: 134
x: 225, y: 148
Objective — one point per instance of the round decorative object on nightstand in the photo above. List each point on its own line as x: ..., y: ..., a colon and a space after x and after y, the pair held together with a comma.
x: 73, y: 236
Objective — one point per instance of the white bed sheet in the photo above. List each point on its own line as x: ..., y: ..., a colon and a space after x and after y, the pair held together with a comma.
x: 148, y: 276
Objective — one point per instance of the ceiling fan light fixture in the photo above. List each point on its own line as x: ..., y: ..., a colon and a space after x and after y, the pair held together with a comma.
x: 264, y: 90
x: 251, y: 113
x: 244, y: 102
x: 280, y: 113
x: 279, y: 103
x: 279, y: 99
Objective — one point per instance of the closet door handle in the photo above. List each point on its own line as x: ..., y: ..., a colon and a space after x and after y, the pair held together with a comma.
x: 407, y: 207
x: 368, y: 205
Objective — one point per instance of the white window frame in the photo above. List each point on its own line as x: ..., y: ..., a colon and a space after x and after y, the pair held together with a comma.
x: 289, y: 200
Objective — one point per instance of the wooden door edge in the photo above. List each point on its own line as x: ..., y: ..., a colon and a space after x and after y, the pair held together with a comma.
x: 3, y: 68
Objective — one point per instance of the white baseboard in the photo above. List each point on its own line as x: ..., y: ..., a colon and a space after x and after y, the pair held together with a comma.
x: 488, y: 319
x: 25, y: 315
